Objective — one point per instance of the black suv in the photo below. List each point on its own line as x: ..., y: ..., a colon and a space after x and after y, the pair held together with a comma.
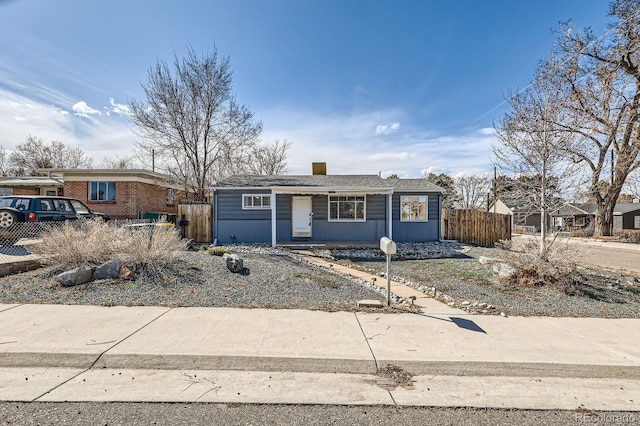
x: 15, y: 209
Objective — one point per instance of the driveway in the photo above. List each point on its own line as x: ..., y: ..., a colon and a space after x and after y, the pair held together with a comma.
x: 607, y: 254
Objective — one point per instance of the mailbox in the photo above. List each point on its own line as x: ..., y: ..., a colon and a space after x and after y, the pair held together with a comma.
x: 387, y: 245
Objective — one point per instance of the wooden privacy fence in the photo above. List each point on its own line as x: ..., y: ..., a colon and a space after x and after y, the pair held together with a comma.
x: 475, y: 227
x: 200, y: 227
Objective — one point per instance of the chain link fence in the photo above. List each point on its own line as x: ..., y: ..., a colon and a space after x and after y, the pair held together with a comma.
x: 18, y: 239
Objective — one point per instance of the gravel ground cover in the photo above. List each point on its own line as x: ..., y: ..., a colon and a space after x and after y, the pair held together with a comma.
x: 276, y: 278
x: 271, y: 279
x: 454, y: 274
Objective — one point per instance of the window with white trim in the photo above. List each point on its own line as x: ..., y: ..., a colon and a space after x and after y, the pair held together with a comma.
x: 102, y: 191
x: 256, y: 201
x: 636, y: 222
x: 347, y: 208
x: 171, y: 196
x: 413, y: 208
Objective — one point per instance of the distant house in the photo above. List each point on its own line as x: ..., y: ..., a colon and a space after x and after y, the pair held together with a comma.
x: 520, y: 216
x: 121, y: 193
x: 576, y: 216
x: 325, y: 208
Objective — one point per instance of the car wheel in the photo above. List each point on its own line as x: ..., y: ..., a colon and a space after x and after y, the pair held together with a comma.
x: 7, y: 218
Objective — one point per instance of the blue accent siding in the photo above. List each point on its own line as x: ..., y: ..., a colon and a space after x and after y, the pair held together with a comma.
x: 417, y: 231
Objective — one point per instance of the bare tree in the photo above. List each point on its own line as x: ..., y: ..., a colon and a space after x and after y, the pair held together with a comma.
x: 35, y: 154
x: 5, y: 170
x: 270, y: 159
x: 118, y: 163
x: 533, y: 146
x: 472, y: 190
x: 192, y: 121
x: 602, y: 108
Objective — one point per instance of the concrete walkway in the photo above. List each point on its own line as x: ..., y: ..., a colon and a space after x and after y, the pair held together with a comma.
x: 91, y: 353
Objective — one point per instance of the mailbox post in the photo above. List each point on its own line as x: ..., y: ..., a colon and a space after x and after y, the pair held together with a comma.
x: 388, y: 247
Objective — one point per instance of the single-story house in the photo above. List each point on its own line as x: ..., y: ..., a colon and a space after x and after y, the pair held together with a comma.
x: 520, y: 216
x: 325, y: 208
x: 577, y: 216
x: 120, y: 193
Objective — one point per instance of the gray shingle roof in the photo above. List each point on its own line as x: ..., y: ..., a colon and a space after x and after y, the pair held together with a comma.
x: 592, y: 209
x: 328, y: 181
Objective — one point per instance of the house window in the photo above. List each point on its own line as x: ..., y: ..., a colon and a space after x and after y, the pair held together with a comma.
x: 636, y: 222
x: 347, y: 208
x: 413, y: 209
x: 558, y: 221
x: 102, y: 191
x: 256, y: 201
x: 6, y: 191
x: 171, y: 196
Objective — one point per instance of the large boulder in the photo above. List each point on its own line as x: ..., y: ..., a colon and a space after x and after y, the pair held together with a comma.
x: 110, y: 269
x: 76, y: 276
x: 234, y: 262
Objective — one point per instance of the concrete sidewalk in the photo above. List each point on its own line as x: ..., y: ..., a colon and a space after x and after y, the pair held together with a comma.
x: 90, y: 353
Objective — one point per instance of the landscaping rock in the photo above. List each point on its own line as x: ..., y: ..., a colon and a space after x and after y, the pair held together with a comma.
x: 503, y: 270
x: 110, y: 269
x: 126, y: 273
x: 76, y: 276
x: 234, y: 263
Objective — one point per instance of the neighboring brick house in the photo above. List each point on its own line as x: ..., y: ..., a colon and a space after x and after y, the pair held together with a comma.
x: 121, y: 193
x: 30, y: 185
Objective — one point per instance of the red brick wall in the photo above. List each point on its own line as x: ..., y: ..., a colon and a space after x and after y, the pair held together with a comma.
x: 26, y: 191
x: 132, y: 198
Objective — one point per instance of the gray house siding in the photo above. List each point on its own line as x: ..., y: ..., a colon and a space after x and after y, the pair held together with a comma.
x: 628, y: 220
x: 234, y: 224
x: 417, y: 231
x: 373, y: 229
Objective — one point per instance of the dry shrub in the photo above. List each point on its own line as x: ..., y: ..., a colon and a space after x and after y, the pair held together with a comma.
x: 153, y: 245
x: 587, y: 231
x: 554, y: 267
x: 628, y: 235
x: 94, y: 242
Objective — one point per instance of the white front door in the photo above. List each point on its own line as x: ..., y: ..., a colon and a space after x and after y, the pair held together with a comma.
x: 301, y: 216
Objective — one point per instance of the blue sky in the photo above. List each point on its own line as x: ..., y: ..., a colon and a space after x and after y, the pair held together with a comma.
x: 366, y: 86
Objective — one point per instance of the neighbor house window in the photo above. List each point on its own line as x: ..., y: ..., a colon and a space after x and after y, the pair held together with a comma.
x: 102, y: 191
x: 413, y: 209
x: 171, y: 196
x: 636, y: 222
x: 5, y: 191
x: 349, y: 208
x: 256, y: 201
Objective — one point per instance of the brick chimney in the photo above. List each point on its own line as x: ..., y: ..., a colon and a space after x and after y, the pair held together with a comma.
x: 319, y: 168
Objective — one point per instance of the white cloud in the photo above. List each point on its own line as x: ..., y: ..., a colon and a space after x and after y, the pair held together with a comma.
x: 81, y: 109
x: 391, y: 156
x: 98, y: 138
x: 120, y: 109
x: 385, y: 129
x: 346, y: 145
